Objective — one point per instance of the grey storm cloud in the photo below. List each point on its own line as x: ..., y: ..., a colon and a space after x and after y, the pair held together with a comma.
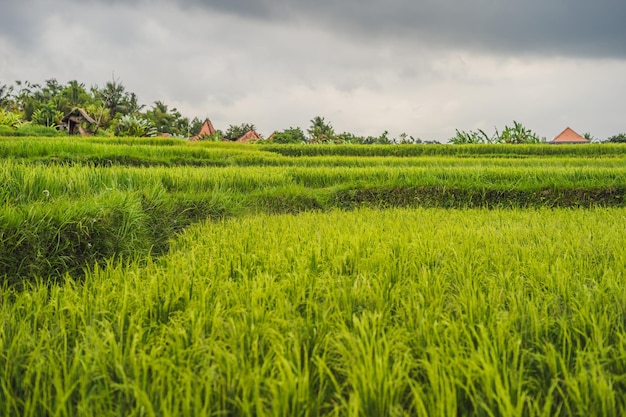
x: 425, y: 67
x: 544, y: 27
x: 15, y: 22
x: 554, y: 27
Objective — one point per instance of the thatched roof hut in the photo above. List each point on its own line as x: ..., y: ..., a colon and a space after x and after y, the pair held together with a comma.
x: 249, y: 136
x: 569, y: 136
x: 207, y: 129
x: 74, y: 119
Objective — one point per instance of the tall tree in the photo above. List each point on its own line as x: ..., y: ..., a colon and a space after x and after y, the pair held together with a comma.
x: 234, y: 132
x: 75, y: 95
x: 168, y: 121
x: 25, y: 99
x: 47, y: 115
x: 291, y: 135
x: 320, y: 131
x: 6, y: 94
x: 619, y: 138
x: 114, y: 97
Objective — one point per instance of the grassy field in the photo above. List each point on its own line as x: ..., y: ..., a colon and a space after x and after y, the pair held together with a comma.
x: 162, y: 278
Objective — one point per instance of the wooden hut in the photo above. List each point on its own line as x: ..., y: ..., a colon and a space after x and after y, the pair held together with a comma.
x: 249, y: 136
x: 74, y: 120
x: 207, y: 129
x: 568, y: 136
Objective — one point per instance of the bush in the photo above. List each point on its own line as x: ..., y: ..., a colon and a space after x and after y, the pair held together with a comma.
x: 620, y: 138
x: 35, y: 130
x: 516, y: 134
x: 134, y: 126
x: 7, y: 131
x: 291, y: 135
x: 29, y: 130
x: 10, y: 119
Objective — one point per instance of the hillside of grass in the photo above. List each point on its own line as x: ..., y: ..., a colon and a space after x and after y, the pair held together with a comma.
x: 422, y: 312
x: 69, y: 203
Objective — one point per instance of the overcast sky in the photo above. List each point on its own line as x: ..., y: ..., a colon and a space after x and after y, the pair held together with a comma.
x: 423, y: 67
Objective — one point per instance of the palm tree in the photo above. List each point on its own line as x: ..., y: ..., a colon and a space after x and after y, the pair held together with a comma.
x: 320, y: 131
x: 234, y: 132
x: 75, y: 94
x: 6, y: 92
x: 25, y: 99
x: 113, y: 96
x: 132, y: 105
x: 47, y: 115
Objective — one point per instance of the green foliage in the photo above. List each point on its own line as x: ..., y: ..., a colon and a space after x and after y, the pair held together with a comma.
x: 100, y: 114
x: 367, y: 312
x: 133, y: 282
x: 473, y: 137
x: 321, y: 131
x: 48, y: 172
x: 47, y: 115
x: 195, y: 126
x: 234, y: 132
x: 7, y: 130
x: 590, y: 137
x: 218, y: 136
x: 116, y: 99
x: 31, y: 130
x: 383, y: 139
x: 47, y: 104
x: 27, y: 98
x: 516, y: 134
x: 471, y: 150
x: 166, y: 121
x: 6, y: 92
x: 291, y: 135
x: 619, y: 138
x: 129, y: 125
x: 348, y: 138
x: 10, y: 118
x: 405, y: 139
x: 72, y: 96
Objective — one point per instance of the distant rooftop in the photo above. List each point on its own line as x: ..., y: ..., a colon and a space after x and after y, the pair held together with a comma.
x: 569, y: 136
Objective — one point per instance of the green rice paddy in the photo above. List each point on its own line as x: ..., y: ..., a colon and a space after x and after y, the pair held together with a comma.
x: 163, y: 278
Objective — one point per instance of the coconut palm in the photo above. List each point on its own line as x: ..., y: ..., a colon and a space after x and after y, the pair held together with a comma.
x: 47, y: 115
x: 320, y: 131
x: 6, y: 92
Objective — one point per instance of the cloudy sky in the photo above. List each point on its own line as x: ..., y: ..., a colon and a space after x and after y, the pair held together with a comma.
x: 423, y: 67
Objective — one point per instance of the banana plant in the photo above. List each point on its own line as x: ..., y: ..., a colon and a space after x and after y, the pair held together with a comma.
x: 517, y: 134
x: 47, y: 115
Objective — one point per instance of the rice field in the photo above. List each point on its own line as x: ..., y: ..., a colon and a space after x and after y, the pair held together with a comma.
x: 286, y: 284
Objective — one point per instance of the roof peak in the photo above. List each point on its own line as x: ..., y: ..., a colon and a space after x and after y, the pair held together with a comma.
x: 568, y: 135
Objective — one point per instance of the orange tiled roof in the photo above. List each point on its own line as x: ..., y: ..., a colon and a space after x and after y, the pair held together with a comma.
x: 207, y: 129
x: 569, y: 136
x: 249, y: 136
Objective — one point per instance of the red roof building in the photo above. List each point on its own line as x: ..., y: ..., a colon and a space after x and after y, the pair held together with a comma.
x: 249, y: 136
x: 569, y: 136
x: 207, y: 129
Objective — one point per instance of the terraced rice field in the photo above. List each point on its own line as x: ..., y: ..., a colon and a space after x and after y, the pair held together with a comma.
x: 163, y: 278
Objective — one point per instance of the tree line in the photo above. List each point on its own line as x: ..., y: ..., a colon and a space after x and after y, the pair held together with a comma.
x: 117, y: 112
x: 38, y: 109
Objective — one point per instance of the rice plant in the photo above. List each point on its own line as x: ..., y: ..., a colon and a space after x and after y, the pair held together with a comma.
x: 368, y: 312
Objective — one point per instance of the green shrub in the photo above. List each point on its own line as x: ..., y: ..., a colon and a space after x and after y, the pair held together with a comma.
x: 619, y: 138
x: 7, y: 131
x: 10, y: 119
x: 36, y: 130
